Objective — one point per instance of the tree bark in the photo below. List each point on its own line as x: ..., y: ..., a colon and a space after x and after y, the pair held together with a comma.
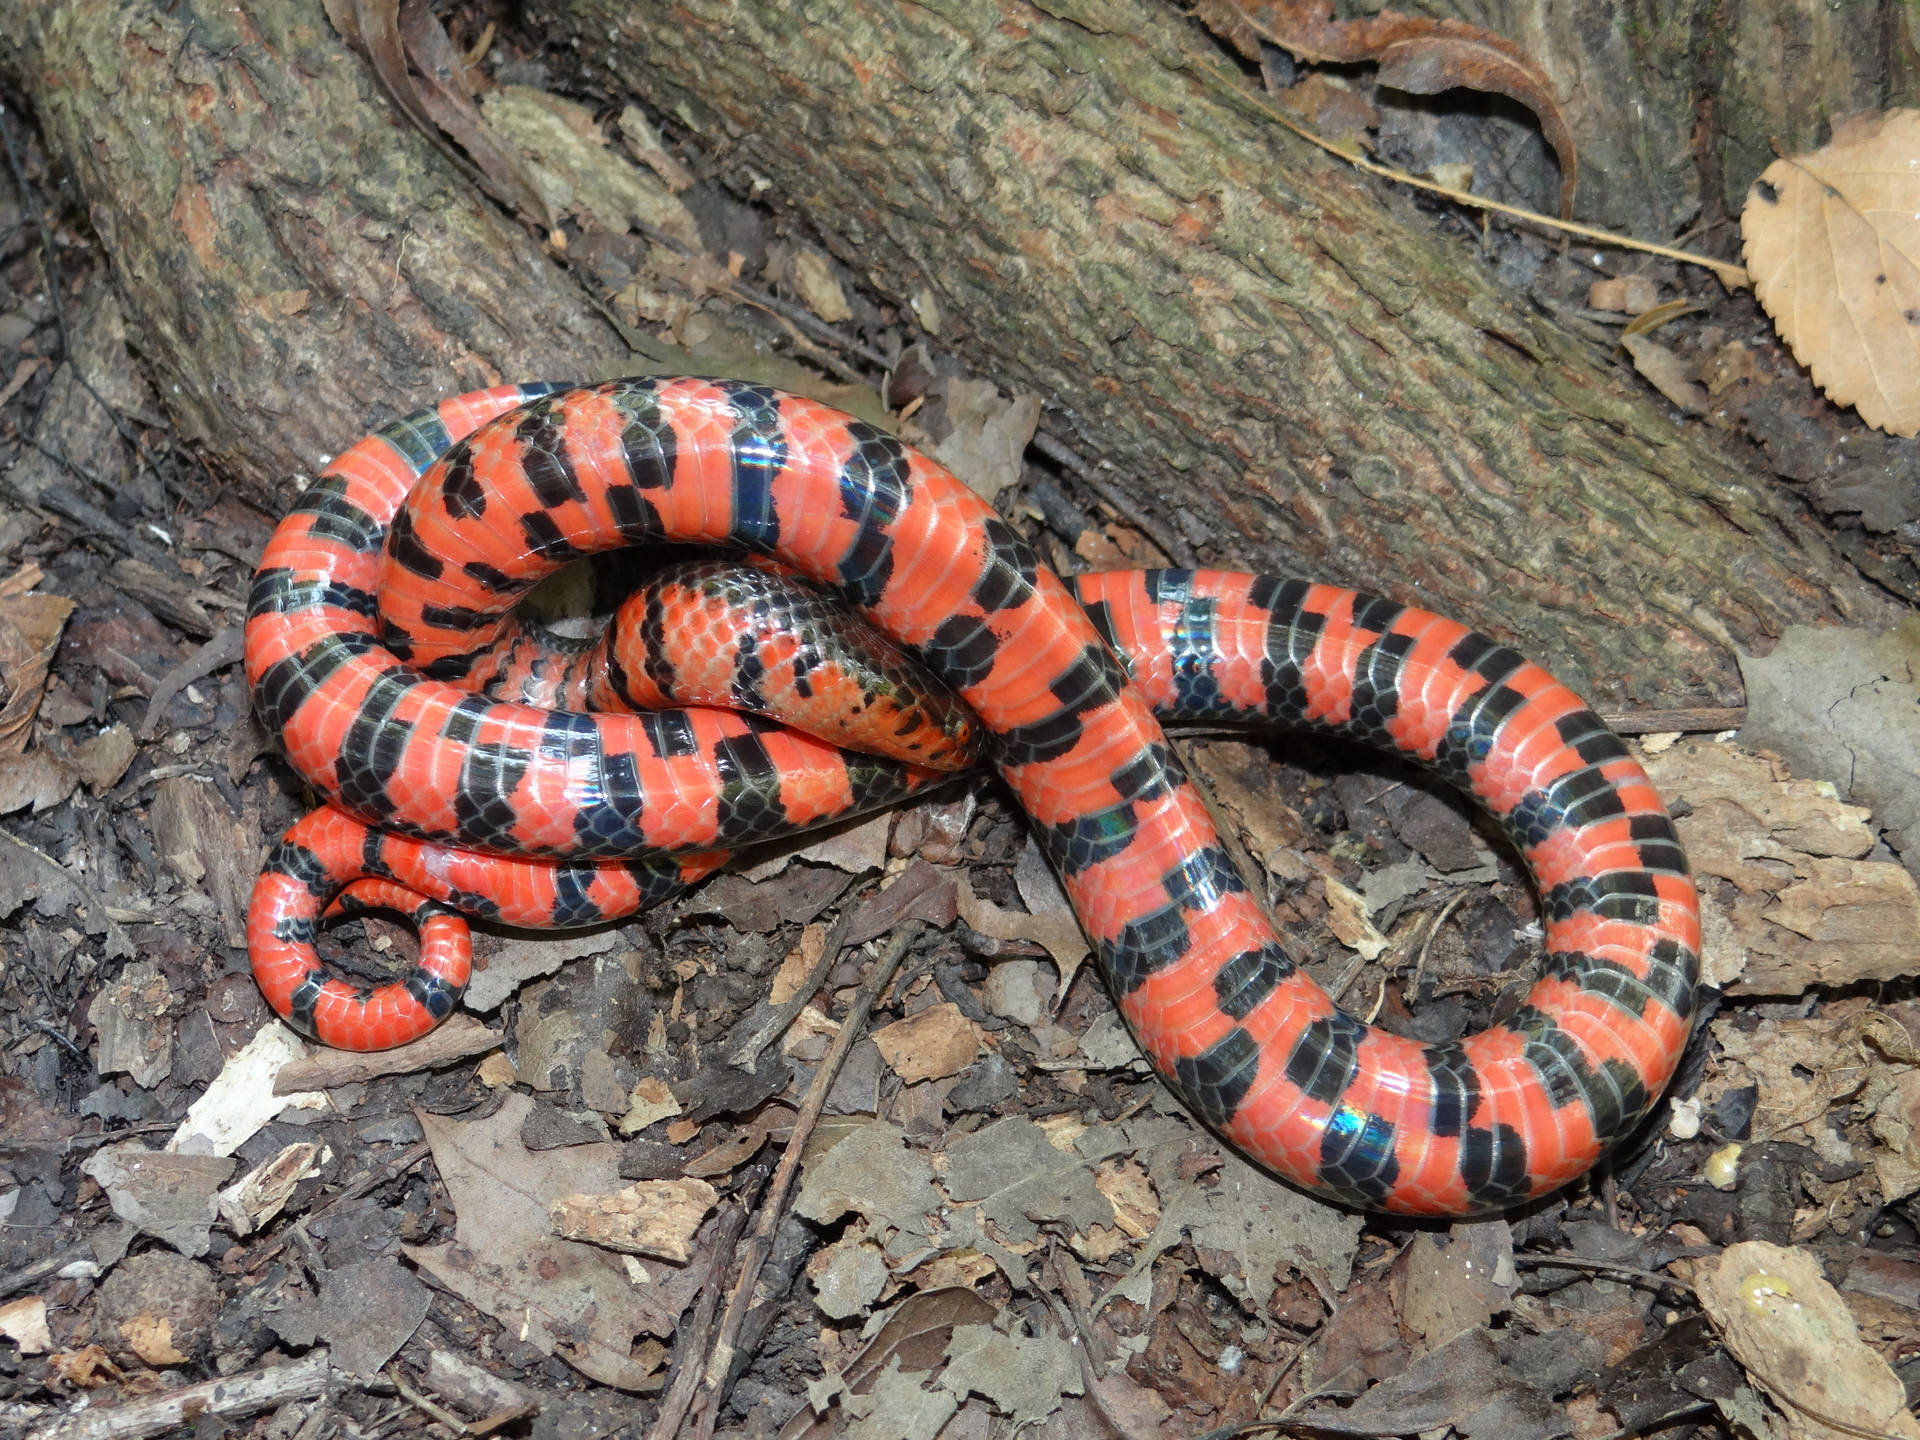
x: 1281, y: 357
x: 1278, y: 357
x: 294, y: 261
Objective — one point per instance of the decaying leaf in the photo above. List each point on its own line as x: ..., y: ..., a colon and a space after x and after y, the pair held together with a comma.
x: 1833, y: 246
x: 425, y: 77
x: 1419, y: 55
x: 938, y: 1042
x: 1790, y: 1330
x: 564, y: 1298
x: 910, y: 1342
x: 1805, y: 907
x: 30, y: 627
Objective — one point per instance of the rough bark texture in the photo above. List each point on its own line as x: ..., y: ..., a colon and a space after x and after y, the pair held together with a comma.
x: 1279, y: 356
x: 294, y: 261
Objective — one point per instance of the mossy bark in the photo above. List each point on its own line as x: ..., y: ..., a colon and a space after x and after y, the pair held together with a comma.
x: 293, y: 260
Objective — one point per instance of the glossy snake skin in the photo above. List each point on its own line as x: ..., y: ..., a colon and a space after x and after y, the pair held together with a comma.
x: 446, y: 800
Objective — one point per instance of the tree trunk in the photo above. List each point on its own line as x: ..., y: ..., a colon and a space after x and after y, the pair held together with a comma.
x: 1279, y: 358
x: 294, y: 260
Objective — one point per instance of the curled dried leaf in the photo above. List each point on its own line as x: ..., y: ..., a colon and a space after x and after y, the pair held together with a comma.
x: 1416, y: 54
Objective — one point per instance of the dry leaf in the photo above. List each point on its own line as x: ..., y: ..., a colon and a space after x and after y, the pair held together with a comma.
x: 938, y: 1042
x: 1418, y: 55
x: 24, y: 1322
x: 1350, y: 919
x: 1833, y: 246
x: 434, y: 95
x: 650, y: 1217
x: 1667, y: 373
x: 1627, y: 294
x: 30, y: 628
x: 1792, y: 1333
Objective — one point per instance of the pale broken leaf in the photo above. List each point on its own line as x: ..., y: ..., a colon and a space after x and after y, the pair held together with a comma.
x: 1243, y: 1223
x: 1790, y: 1330
x: 1833, y: 246
x: 241, y: 1099
x: 650, y: 1103
x: 1349, y: 918
x: 938, y: 1042
x: 870, y: 1171
x: 24, y: 1322
x: 1021, y: 1179
x: 847, y: 1276
x: 1844, y: 705
x: 910, y: 1342
x: 989, y: 437
x: 1804, y: 908
x: 1025, y: 1375
x: 649, y: 1217
x: 171, y: 1197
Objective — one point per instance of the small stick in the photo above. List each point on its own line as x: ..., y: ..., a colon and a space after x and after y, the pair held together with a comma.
x: 673, y: 1406
x: 231, y: 1396
x: 1698, y: 720
x: 773, y: 1208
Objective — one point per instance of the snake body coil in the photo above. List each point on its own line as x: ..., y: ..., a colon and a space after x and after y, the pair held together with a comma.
x: 449, y: 800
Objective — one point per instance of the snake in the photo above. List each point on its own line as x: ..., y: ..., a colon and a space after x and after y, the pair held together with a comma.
x: 385, y: 600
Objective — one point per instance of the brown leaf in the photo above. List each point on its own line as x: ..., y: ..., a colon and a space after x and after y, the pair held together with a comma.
x: 1790, y: 1330
x: 30, y: 627
x: 36, y: 781
x: 1833, y: 246
x: 938, y: 1042
x: 1667, y: 373
x: 1418, y: 55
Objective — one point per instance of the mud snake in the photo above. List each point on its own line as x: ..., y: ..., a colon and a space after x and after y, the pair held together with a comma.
x: 445, y: 800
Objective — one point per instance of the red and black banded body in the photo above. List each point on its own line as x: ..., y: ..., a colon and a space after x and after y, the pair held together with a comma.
x: 370, y: 711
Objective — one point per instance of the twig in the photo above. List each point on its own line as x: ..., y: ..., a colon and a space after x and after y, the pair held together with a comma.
x: 1698, y: 720
x: 77, y: 1254
x: 1070, y: 460
x: 746, y: 1056
x: 1601, y: 1267
x: 773, y: 1207
x: 398, y: 1165
x: 233, y: 1395
x: 1070, y: 1317
x: 226, y: 646
x: 686, y: 1381
x: 430, y: 1408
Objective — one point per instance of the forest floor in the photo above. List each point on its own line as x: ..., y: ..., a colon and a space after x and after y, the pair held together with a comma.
x: 535, y: 1220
